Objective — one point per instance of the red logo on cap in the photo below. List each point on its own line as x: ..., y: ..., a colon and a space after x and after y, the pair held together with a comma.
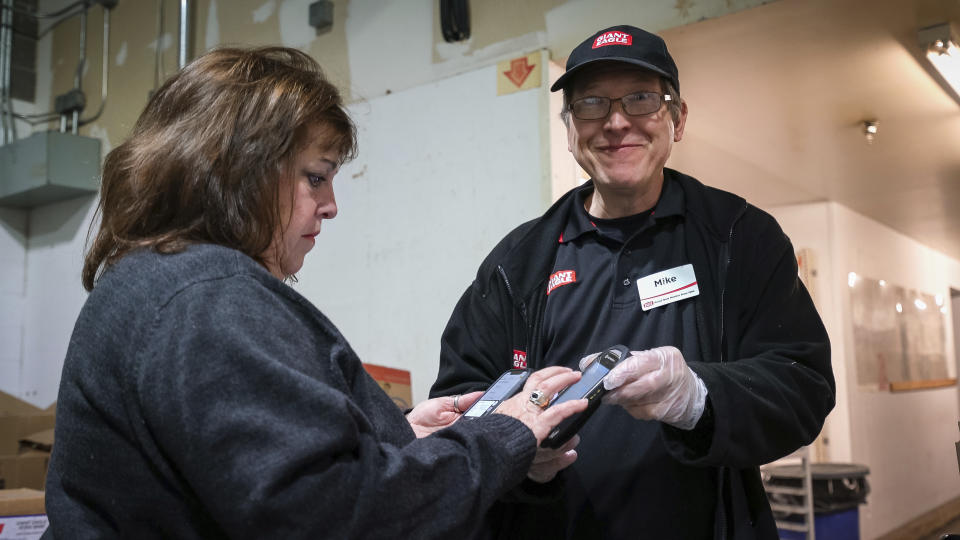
x: 613, y: 38
x: 519, y: 359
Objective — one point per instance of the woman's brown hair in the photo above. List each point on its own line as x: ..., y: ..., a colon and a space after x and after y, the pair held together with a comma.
x: 205, y: 157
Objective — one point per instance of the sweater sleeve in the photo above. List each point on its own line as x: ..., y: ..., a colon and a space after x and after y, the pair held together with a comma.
x: 775, y: 387
x: 268, y: 418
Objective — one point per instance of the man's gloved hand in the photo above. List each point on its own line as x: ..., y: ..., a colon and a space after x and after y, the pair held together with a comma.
x: 656, y: 384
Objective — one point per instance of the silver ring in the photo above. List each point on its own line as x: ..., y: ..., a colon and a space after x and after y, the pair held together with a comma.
x: 456, y: 404
x: 539, y: 398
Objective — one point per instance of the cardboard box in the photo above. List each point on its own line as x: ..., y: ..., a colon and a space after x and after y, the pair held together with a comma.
x: 19, y: 502
x: 18, y: 419
x: 27, y: 470
x: 22, y: 514
x: 28, y: 467
x: 41, y: 440
x: 395, y: 382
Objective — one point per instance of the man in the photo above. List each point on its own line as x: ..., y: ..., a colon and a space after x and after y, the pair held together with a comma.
x: 733, y: 368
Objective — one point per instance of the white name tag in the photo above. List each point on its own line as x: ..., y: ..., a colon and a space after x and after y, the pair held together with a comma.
x: 667, y: 287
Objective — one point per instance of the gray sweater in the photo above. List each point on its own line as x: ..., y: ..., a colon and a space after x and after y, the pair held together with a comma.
x: 203, y: 398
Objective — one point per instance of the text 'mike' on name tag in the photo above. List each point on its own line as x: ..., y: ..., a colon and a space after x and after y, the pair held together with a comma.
x: 667, y: 286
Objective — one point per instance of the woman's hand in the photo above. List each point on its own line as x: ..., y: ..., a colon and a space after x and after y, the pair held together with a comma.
x: 438, y: 413
x: 549, y: 461
x: 541, y: 421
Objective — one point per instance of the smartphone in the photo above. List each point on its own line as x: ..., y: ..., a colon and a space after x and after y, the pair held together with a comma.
x: 590, y: 386
x: 503, y: 388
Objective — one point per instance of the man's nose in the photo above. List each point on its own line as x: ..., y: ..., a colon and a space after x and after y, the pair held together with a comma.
x: 617, y: 119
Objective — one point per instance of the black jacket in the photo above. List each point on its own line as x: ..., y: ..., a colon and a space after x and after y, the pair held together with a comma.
x: 765, y: 355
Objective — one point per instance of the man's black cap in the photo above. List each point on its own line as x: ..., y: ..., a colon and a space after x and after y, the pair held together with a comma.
x: 621, y: 44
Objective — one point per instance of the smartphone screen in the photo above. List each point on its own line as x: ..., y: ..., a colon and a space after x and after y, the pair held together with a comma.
x: 503, y: 388
x: 593, y: 374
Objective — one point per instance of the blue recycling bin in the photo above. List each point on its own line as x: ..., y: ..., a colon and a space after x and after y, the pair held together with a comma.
x: 838, y: 490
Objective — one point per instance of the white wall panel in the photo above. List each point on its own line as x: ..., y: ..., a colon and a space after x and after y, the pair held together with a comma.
x: 13, y: 254
x: 445, y: 170
x: 54, y: 294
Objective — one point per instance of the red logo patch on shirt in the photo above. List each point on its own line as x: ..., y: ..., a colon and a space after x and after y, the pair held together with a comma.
x: 560, y: 278
x: 613, y: 38
x: 519, y: 359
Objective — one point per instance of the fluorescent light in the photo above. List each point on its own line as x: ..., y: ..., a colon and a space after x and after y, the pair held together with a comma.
x: 940, y: 43
x: 946, y: 59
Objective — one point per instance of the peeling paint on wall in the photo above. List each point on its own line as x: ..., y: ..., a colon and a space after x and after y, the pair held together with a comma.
x: 165, y: 43
x: 499, y: 21
x: 264, y: 12
x: 571, y: 22
x: 295, y: 29
x: 212, y: 37
x: 526, y: 42
x: 448, y: 51
x: 99, y: 132
x: 122, y: 54
x: 683, y: 7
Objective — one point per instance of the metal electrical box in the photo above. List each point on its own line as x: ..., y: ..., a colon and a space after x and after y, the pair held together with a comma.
x: 48, y: 167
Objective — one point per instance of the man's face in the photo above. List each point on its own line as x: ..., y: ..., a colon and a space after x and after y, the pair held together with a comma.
x: 623, y: 153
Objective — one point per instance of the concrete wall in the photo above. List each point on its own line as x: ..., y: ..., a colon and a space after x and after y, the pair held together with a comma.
x: 905, y: 438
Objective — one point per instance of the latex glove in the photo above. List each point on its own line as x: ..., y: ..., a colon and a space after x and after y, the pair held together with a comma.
x: 438, y: 413
x: 657, y: 384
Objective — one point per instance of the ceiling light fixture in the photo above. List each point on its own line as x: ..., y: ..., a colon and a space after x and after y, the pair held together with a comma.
x: 941, y: 48
x: 870, y: 129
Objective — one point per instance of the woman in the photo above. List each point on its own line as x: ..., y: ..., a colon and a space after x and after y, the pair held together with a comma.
x: 202, y: 397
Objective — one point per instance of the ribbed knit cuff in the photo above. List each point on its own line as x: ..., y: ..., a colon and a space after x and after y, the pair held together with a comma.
x: 516, y: 439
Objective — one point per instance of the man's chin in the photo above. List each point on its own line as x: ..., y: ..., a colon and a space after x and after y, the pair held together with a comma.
x: 621, y: 182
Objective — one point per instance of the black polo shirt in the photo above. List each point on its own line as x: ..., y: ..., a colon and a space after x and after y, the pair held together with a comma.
x: 625, y: 484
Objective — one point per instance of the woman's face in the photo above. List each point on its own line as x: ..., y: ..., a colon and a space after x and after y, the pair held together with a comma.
x: 311, y: 182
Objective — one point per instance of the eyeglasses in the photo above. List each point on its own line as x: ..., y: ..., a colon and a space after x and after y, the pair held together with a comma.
x: 636, y: 104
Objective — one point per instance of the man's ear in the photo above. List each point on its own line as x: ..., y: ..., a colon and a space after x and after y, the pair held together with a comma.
x: 680, y: 122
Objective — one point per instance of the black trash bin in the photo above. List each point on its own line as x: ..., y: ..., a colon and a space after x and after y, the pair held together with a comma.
x: 838, y: 490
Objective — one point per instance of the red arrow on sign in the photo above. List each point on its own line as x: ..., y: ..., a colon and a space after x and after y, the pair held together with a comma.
x: 519, y: 71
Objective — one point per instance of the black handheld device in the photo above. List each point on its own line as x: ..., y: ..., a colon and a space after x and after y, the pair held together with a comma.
x: 503, y: 388
x: 590, y: 386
